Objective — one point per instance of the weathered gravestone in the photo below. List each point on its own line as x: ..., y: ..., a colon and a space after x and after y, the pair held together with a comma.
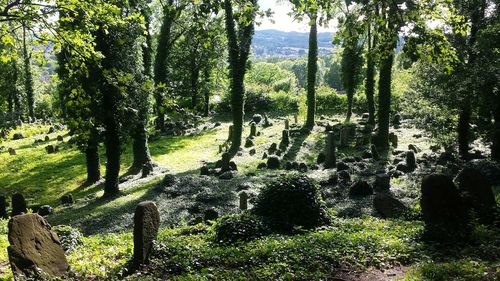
x: 226, y: 158
x: 146, y: 225
x: 410, y: 160
x: 12, y: 151
x: 330, y: 159
x: 443, y: 210
x: 35, y: 250
x: 18, y: 204
x: 253, y: 130
x: 243, y: 201
x: 344, y: 137
x: 388, y: 206
x: 285, y: 139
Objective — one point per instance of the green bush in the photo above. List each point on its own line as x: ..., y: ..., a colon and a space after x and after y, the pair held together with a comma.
x: 235, y: 228
x: 70, y: 237
x: 282, y: 101
x: 329, y: 99
x: 289, y: 202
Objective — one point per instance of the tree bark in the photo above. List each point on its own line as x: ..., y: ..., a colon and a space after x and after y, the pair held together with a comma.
x: 384, y: 101
x: 495, y: 146
x: 113, y: 144
x: 350, y: 96
x: 206, y: 75
x: 464, y: 126
x: 312, y: 70
x: 140, y: 147
x: 28, y: 77
x: 370, y: 79
x: 92, y: 159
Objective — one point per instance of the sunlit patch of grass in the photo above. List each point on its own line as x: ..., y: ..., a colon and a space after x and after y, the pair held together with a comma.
x: 463, y: 270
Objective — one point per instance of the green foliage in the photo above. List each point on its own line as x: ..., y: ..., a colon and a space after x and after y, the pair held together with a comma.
x: 237, y: 228
x: 69, y: 237
x: 328, y: 99
x: 291, y: 201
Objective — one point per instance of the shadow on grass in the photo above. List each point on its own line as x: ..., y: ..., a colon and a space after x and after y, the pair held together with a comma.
x: 297, y: 144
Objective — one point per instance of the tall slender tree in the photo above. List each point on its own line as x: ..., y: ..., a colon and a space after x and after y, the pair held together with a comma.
x: 240, y: 29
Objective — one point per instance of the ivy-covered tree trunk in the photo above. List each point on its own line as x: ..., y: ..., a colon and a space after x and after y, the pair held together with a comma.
x: 140, y: 147
x: 206, y: 89
x: 195, y: 75
x: 350, y: 97
x: 370, y: 79
x: 92, y: 159
x: 160, y: 67
x: 28, y: 77
x: 312, y: 70
x: 384, y: 100
x: 112, y: 141
x: 239, y: 43
x: 464, y: 126
x: 495, y: 138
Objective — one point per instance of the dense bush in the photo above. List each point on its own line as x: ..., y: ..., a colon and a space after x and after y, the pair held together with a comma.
x: 70, y: 237
x: 291, y: 201
x: 234, y: 228
x: 282, y: 101
x: 329, y: 99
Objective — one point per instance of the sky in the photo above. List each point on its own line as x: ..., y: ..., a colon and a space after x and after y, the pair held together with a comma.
x: 281, y: 19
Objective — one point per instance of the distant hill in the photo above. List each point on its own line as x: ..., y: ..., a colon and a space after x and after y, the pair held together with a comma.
x: 275, y: 43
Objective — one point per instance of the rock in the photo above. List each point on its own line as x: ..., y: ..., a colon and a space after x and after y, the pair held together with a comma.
x: 366, y: 155
x: 18, y: 136
x: 204, y: 171
x: 410, y: 160
x: 47, y: 138
x: 388, y: 206
x: 146, y: 225
x: 252, y: 152
x: 67, y: 199
x: 253, y: 130
x: 396, y: 120
x: 403, y: 168
x: 18, y: 205
x: 50, y: 149
x: 12, y: 151
x: 434, y: 148
x: 210, y: 215
x: 226, y: 175
x: 35, y: 250
x: 478, y: 193
x: 330, y: 151
x: 446, y: 157
x: 393, y: 139
x: 226, y: 158
x: 51, y: 130
x: 233, y: 166
x: 344, y: 177
x: 249, y: 143
x: 382, y: 182
x: 45, y: 210
x: 60, y: 138
x: 360, y: 189
x: 443, y: 211
x: 243, y: 200
x: 217, y: 124
x: 414, y: 148
x: 170, y: 180
x: 264, y: 156
x: 341, y: 166
x: 303, y: 167
x: 262, y: 166
x: 287, y: 124
x: 272, y: 149
x: 256, y: 118
x: 288, y: 166
x: 273, y: 162
x: 3, y: 207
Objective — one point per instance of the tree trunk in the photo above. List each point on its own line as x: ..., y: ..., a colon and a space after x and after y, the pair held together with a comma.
x: 370, y: 80
x: 237, y: 109
x: 140, y: 147
x: 113, y: 148
x: 350, y: 96
x: 206, y: 75
x: 28, y: 77
x: 312, y: 70
x: 384, y: 101
x: 495, y: 146
x: 464, y: 127
x: 195, y: 75
x: 92, y: 159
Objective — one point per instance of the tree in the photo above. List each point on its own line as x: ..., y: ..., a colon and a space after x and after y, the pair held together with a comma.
x: 28, y: 76
x: 240, y: 30
x: 317, y: 12
x: 352, y: 59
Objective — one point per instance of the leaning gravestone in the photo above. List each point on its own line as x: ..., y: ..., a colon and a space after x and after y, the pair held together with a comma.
x: 226, y: 158
x: 146, y: 225
x: 285, y: 139
x: 253, y: 130
x: 18, y: 204
x: 35, y: 250
x: 344, y: 137
x: 12, y: 151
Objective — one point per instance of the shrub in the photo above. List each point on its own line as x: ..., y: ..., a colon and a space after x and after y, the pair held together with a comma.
x: 282, y: 101
x: 235, y: 228
x: 70, y: 237
x: 291, y: 201
x: 329, y: 99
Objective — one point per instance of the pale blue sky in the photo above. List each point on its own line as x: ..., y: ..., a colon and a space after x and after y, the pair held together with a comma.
x: 282, y: 20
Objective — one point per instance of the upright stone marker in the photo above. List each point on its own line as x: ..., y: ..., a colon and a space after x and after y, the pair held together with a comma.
x: 253, y: 130
x: 35, y: 250
x: 287, y: 124
x: 146, y: 225
x: 226, y: 158
x: 18, y: 204
x: 344, y: 137
x: 243, y: 200
x: 331, y: 159
x: 285, y: 139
